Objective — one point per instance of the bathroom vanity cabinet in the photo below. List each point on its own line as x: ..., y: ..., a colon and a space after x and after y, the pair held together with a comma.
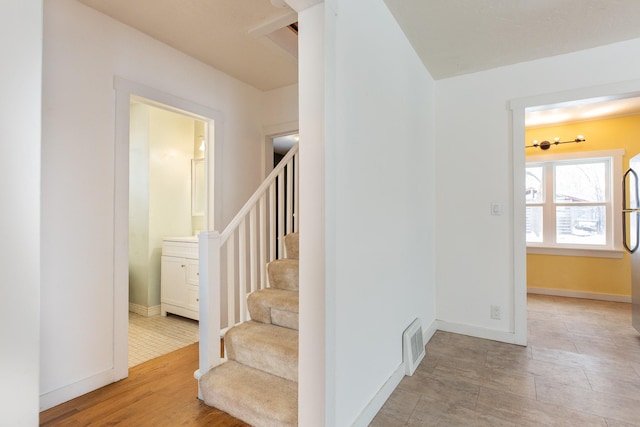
x: 179, y: 277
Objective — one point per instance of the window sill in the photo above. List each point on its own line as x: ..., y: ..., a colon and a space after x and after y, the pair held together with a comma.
x: 586, y: 252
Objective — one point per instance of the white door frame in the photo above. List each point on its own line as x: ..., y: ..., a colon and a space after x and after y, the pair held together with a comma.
x: 125, y: 89
x: 518, y: 108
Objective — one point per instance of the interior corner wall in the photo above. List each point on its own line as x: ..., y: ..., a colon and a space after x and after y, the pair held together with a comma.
x: 20, y: 114
x: 380, y: 210
x: 280, y: 110
x: 139, y: 204
x: 313, y: 356
x: 161, y: 148
x: 198, y: 222
x: 84, y: 51
x: 171, y: 150
x: 280, y: 113
x: 474, y: 168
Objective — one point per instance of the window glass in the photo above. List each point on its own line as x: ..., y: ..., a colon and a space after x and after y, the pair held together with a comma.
x: 581, y: 182
x: 581, y: 225
x: 534, y: 224
x: 534, y: 184
x: 571, y: 202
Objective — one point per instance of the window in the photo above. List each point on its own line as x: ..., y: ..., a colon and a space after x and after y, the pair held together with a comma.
x: 572, y: 202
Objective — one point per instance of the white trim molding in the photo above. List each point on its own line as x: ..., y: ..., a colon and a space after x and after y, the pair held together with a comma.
x: 71, y: 391
x: 144, y: 310
x: 374, y: 406
x: 124, y: 91
x: 580, y: 294
x: 479, y: 332
x: 371, y: 410
x: 300, y: 5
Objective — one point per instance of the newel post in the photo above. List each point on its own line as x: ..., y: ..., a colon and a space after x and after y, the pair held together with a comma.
x: 209, y: 290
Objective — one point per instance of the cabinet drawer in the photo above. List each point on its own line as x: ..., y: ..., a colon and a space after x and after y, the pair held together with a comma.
x: 183, y: 248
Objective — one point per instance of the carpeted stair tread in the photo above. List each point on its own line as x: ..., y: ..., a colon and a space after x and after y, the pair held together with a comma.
x: 275, y: 306
x: 251, y: 395
x: 291, y: 245
x: 270, y: 348
x: 283, y: 274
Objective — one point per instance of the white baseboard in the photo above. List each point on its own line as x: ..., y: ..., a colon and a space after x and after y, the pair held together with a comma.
x: 371, y: 410
x: 71, y: 391
x: 374, y: 406
x: 580, y: 294
x: 427, y: 334
x: 478, y: 332
x: 144, y: 310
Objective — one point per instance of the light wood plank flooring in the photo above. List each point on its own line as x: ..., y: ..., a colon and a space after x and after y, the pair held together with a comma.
x: 160, y: 392
x: 581, y: 368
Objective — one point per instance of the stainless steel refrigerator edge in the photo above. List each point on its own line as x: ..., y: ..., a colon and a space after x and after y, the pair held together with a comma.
x: 630, y: 232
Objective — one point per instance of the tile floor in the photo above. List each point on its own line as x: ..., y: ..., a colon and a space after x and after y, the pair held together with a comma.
x: 150, y: 337
x: 580, y: 368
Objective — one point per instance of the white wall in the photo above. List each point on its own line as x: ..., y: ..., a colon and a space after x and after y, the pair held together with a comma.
x: 280, y: 110
x: 379, y: 204
x: 279, y: 116
x: 20, y: 103
x: 83, y: 51
x: 171, y: 150
x: 476, y: 262
x: 162, y: 146
x: 139, y: 204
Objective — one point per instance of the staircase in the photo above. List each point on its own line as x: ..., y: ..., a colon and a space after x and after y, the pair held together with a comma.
x: 248, y: 295
x: 259, y: 382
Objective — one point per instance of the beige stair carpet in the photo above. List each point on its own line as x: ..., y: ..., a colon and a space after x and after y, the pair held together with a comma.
x: 251, y: 395
x: 266, y: 347
x: 291, y: 243
x: 258, y: 383
x: 275, y: 306
x: 283, y: 274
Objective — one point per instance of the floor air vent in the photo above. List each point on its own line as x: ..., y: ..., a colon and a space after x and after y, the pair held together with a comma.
x: 412, y: 347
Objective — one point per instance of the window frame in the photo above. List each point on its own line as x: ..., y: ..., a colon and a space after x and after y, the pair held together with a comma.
x: 613, y: 233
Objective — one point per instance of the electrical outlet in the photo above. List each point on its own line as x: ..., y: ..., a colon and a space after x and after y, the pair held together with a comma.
x: 496, y: 312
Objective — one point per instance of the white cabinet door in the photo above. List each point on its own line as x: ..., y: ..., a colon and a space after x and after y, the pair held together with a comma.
x: 173, y: 277
x: 192, y: 272
x: 179, y: 286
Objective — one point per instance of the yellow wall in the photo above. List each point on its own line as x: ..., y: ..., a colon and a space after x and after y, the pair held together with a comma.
x: 585, y: 274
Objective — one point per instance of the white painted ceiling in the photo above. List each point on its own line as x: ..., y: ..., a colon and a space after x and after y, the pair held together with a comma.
x: 582, y: 111
x: 452, y: 37
x: 229, y: 35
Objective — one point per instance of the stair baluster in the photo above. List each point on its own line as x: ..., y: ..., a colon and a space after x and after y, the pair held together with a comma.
x: 233, y: 263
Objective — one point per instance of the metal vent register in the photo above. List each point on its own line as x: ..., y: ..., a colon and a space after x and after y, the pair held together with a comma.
x: 412, y: 347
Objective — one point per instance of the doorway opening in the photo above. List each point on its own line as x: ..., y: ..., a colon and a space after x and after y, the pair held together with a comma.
x: 276, y: 147
x: 167, y: 209
x: 597, y: 115
x: 281, y: 146
x: 208, y: 174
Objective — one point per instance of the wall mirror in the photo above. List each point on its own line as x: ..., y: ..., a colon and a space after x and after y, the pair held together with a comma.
x: 198, y: 201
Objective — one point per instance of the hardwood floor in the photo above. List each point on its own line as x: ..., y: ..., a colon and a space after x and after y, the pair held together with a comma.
x: 581, y: 367
x: 160, y: 392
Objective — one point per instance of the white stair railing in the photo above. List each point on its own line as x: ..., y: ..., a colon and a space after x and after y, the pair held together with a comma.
x: 234, y: 263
